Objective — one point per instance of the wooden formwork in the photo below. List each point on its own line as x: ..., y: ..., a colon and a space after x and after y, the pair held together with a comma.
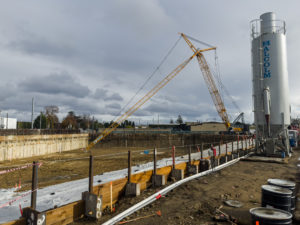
x: 68, y: 213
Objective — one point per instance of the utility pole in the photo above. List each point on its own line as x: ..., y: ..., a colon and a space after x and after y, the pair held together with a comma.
x: 41, y: 120
x: 32, y: 112
x: 93, y: 125
x: 6, y: 121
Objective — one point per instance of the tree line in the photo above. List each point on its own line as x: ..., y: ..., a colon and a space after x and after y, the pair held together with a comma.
x: 49, y: 120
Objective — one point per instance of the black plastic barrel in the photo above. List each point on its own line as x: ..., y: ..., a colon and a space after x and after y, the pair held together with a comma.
x: 276, y: 197
x: 203, y: 165
x: 286, y: 184
x: 268, y: 216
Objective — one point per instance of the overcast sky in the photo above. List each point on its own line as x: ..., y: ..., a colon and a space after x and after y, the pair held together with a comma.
x: 91, y: 57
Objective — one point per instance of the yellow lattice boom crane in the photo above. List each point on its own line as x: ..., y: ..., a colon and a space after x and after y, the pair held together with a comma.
x: 213, y: 90
x: 207, y: 76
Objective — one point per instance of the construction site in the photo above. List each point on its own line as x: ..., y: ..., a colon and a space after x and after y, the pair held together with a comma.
x: 226, y: 171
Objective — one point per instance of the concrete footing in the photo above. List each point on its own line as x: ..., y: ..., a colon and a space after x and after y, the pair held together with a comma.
x: 92, y: 205
x: 177, y: 174
x: 192, y: 169
x: 158, y: 180
x: 133, y: 189
x: 217, y: 162
x: 34, y: 217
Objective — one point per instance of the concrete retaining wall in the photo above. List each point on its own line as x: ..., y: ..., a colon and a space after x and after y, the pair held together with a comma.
x: 19, y: 146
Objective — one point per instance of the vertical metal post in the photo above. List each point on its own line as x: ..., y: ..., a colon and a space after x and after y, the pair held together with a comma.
x: 243, y: 142
x: 238, y: 142
x: 201, y: 150
x: 32, y: 113
x: 190, y: 157
x: 173, y: 156
x: 219, y: 148
x: 34, y: 185
x: 226, y: 148
x: 232, y: 147
x: 91, y: 175
x: 154, y: 161
x: 129, y: 166
x: 154, y: 167
x: 6, y: 120
x: 41, y: 120
x: 246, y: 140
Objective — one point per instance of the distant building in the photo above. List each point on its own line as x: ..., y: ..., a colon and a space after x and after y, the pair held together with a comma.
x: 8, y: 123
x: 207, y: 127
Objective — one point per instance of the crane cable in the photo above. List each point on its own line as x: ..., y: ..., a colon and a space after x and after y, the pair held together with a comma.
x: 221, y: 85
x: 201, y: 42
x: 149, y: 78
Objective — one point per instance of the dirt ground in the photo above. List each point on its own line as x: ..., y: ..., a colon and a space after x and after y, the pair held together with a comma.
x: 73, y: 165
x: 196, y: 201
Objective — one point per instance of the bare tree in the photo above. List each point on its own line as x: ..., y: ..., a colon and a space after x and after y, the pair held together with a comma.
x: 51, y: 116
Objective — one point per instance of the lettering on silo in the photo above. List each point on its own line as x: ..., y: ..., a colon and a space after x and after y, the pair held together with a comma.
x: 266, y: 57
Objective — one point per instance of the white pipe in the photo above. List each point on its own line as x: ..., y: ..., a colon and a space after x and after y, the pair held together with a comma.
x: 267, y: 101
x: 164, y: 191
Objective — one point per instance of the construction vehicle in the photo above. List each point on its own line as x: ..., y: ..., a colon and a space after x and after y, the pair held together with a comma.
x: 240, y: 127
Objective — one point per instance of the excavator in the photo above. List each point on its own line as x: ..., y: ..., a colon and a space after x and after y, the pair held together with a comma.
x: 198, y: 53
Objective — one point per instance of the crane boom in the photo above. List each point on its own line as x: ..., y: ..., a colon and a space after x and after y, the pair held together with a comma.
x: 142, y: 101
x: 213, y: 90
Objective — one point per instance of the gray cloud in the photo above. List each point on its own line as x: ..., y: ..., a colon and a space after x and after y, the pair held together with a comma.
x: 61, y: 83
x: 41, y: 46
x: 100, y: 93
x: 113, y: 106
x: 114, y: 97
x: 103, y: 94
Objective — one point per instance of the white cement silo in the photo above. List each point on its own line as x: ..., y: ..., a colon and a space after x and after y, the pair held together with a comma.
x: 270, y: 77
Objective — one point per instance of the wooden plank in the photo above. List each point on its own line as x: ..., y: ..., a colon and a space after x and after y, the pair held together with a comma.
x: 142, y: 177
x: 196, y: 163
x: 73, y: 211
x: 65, y: 214
x: 118, y: 187
x: 16, y: 222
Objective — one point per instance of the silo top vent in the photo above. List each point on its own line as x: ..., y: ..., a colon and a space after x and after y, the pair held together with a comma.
x: 267, y: 24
